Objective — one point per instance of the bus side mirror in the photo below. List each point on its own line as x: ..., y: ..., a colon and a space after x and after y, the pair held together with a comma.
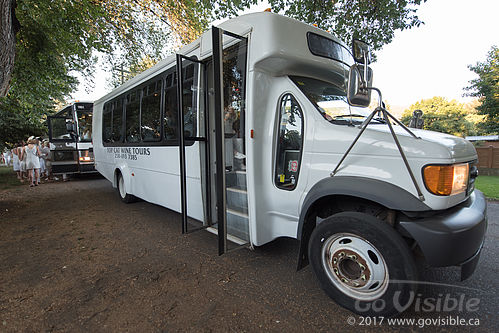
x: 358, y: 93
x: 71, y: 128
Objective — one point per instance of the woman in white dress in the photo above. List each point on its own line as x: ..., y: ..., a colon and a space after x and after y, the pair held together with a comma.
x: 22, y: 161
x: 32, y: 153
x: 16, y: 162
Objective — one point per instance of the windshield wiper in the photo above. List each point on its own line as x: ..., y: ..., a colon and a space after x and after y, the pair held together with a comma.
x: 357, y: 115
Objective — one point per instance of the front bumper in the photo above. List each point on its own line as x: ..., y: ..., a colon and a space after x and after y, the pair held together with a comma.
x: 453, y: 237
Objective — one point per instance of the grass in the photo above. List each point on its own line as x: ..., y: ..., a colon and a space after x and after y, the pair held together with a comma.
x: 8, y: 178
x: 489, y: 185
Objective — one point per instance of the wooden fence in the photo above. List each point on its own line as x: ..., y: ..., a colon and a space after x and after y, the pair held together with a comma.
x: 488, y: 157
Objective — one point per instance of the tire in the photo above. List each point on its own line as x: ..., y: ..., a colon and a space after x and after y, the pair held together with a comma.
x: 363, y: 264
x: 124, y: 196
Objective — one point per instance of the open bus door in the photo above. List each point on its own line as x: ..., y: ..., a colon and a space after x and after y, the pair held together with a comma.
x: 223, y: 179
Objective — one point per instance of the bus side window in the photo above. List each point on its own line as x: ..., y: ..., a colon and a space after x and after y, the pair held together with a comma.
x: 170, y: 115
x: 189, y: 95
x: 132, y: 111
x: 117, y: 128
x: 151, y: 112
x: 107, y: 122
x: 289, y: 143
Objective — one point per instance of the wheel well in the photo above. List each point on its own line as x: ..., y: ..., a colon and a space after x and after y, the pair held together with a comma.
x: 116, y: 173
x: 333, y: 204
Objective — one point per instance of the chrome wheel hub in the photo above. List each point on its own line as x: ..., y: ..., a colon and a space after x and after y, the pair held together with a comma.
x: 354, y: 266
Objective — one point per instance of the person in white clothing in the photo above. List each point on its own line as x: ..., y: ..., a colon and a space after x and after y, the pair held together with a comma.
x: 32, y: 153
x: 45, y: 150
x: 16, y: 164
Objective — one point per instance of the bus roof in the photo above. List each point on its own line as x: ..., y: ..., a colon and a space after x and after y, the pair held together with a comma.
x: 273, y: 49
x: 62, y: 110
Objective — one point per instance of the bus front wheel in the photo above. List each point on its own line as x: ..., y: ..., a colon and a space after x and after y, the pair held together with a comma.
x: 124, y: 196
x: 363, y: 264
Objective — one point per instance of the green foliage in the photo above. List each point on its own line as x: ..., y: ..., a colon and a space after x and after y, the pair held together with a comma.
x: 486, y: 88
x: 61, y: 37
x: 58, y: 38
x: 373, y: 21
x: 441, y: 115
x: 18, y: 122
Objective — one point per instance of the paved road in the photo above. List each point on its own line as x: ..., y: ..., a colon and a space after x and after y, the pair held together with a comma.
x: 83, y: 261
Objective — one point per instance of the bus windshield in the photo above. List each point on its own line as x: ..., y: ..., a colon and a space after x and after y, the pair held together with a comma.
x: 84, y: 125
x: 330, y: 100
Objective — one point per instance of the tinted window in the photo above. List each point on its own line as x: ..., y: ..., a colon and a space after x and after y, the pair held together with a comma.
x: 289, y: 144
x: 106, y: 122
x: 170, y: 115
x: 132, y: 111
x: 58, y: 124
x: 234, y: 67
x: 151, y: 112
x: 189, y: 101
x: 325, y: 47
x: 189, y: 97
x: 58, y: 128
x: 117, y: 131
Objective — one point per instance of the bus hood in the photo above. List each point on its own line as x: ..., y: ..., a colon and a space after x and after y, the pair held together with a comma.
x: 429, y: 143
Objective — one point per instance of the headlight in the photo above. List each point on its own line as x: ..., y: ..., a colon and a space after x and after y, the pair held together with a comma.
x: 446, y: 179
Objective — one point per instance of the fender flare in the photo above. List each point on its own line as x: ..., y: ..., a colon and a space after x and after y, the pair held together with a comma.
x: 123, y: 169
x: 383, y: 193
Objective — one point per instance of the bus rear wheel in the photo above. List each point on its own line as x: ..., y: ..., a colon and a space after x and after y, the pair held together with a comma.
x: 124, y: 196
x: 363, y: 264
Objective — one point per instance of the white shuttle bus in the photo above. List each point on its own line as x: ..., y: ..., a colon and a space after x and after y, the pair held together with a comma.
x: 260, y: 129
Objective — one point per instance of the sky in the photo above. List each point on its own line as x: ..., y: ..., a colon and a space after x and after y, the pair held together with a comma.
x: 419, y: 63
x: 433, y: 60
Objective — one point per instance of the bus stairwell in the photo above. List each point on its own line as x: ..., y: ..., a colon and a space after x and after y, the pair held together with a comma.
x: 221, y: 114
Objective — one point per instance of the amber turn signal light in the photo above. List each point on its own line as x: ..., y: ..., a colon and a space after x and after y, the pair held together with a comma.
x: 446, y: 179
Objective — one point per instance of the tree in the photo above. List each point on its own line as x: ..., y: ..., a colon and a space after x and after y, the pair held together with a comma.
x: 486, y: 88
x: 8, y: 28
x: 59, y: 37
x: 441, y: 115
x: 374, y: 21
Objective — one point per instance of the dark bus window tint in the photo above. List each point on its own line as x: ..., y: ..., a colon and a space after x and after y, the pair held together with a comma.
x: 169, y: 80
x: 170, y: 115
x: 289, y: 144
x: 58, y: 128
x: 132, y: 112
x: 189, y: 101
x: 106, y: 122
x: 234, y: 69
x: 189, y: 97
x: 117, y: 132
x: 328, y: 48
x: 151, y: 112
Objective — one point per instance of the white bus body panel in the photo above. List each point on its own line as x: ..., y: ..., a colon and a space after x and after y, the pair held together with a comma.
x: 273, y: 54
